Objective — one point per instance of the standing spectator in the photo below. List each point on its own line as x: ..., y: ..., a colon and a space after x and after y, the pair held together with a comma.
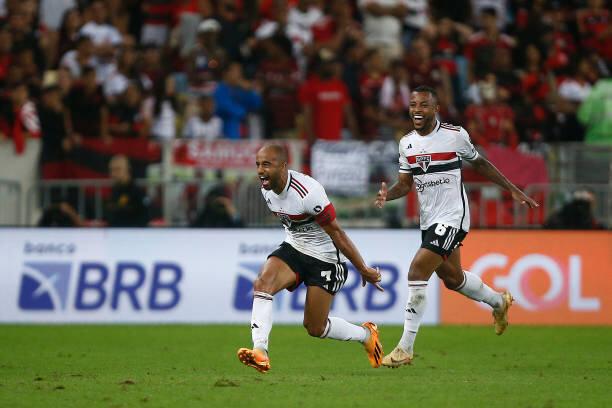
x: 493, y: 121
x: 382, y: 24
x: 481, y: 46
x: 234, y: 28
x: 82, y: 56
x: 595, y: 28
x: 370, y: 84
x: 158, y: 17
x: 55, y: 141
x: 338, y: 30
x: 207, y: 57
x: 87, y: 110
x: 416, y: 20
x: 19, y: 120
x: 6, y: 56
x: 326, y: 103
x: 68, y: 34
x: 595, y: 113
x: 128, y: 205
x: 395, y: 101
x: 163, y: 109
x: 280, y: 78
x: 535, y: 89
x: 236, y: 98
x: 205, y: 125
x: 126, y: 71
x: 304, y: 15
x: 127, y: 118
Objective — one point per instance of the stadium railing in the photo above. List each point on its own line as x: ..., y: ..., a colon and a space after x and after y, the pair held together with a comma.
x: 10, y: 197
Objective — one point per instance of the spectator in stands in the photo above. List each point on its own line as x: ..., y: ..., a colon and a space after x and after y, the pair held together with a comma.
x: 416, y: 20
x: 338, y: 30
x: 162, y: 110
x: 219, y: 211
x: 395, y: 101
x: 207, y: 57
x: 480, y: 50
x: 382, y: 24
x: 69, y: 31
x: 127, y: 70
x: 370, y: 85
x: 535, y: 90
x: 595, y: 28
x: 235, y: 97
x: 157, y: 17
x: 60, y: 215
x: 595, y: 113
x: 127, y: 118
x: 576, y: 214
x: 235, y: 29
x: 25, y: 34
x: 87, y: 110
x: 55, y: 141
x: 205, y: 125
x: 6, y: 56
x: 128, y: 205
x: 82, y: 56
x: 326, y: 103
x: 280, y: 78
x: 19, y: 119
x: 493, y: 121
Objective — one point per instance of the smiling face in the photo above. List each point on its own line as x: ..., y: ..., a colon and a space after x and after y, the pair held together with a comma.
x: 423, y: 109
x: 271, y: 164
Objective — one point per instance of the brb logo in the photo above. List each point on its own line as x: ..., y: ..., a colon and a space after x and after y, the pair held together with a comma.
x: 539, y: 282
x: 51, y: 286
x: 351, y: 292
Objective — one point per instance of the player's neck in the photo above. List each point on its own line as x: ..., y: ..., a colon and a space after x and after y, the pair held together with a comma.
x: 428, y: 129
x: 282, y: 183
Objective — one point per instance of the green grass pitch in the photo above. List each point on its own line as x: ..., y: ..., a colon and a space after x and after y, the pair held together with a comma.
x: 183, y: 366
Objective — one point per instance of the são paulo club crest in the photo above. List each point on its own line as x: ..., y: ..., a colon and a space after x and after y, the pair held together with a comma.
x: 423, y: 161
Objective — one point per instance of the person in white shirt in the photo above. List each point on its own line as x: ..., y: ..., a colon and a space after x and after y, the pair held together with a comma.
x: 382, y: 24
x: 430, y: 158
x: 313, y: 252
x: 205, y: 125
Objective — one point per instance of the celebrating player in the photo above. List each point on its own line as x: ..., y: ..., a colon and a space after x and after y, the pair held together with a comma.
x: 313, y: 252
x: 430, y: 157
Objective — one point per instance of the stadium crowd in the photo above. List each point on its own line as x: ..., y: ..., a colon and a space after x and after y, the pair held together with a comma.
x: 514, y: 73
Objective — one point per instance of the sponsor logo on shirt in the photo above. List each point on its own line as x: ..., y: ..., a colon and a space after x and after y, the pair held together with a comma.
x: 420, y: 187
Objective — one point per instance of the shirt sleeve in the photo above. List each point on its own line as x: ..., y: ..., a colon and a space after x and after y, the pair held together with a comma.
x: 465, y: 148
x: 404, y: 167
x: 316, y: 203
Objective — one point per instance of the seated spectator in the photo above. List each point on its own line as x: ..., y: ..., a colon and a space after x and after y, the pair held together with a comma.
x: 205, y: 125
x: 127, y: 118
x: 18, y: 118
x: 87, y: 110
x: 60, y: 215
x: 280, y: 78
x: 493, y: 121
x: 128, y: 205
x: 327, y: 106
x: 595, y: 113
x: 235, y: 98
x: 218, y: 212
x: 207, y: 57
x: 576, y: 214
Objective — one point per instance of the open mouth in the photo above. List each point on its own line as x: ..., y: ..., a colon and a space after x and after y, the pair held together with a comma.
x: 417, y: 118
x: 265, y: 182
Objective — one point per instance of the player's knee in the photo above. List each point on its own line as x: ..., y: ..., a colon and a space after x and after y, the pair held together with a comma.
x: 313, y: 329
x: 263, y: 285
x: 452, y: 282
x: 417, y: 272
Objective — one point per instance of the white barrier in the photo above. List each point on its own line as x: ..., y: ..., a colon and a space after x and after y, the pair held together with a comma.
x: 198, y: 276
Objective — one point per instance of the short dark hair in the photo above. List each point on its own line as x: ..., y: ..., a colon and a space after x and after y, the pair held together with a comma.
x: 279, y: 149
x: 427, y: 89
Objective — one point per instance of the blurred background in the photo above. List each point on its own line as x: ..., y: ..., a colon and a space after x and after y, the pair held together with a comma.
x: 148, y: 114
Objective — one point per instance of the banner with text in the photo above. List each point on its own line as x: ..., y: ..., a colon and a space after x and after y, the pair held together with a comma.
x: 199, y: 276
x: 555, y: 277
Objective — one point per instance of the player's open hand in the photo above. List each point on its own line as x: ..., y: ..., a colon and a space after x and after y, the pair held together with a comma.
x: 381, y: 197
x: 524, y: 199
x: 373, y: 276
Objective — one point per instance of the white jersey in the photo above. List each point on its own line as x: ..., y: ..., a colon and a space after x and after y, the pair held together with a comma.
x: 434, y: 161
x: 302, y: 208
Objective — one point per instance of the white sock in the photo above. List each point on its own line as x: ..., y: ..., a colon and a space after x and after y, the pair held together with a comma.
x: 415, y: 308
x: 474, y: 288
x: 340, y: 329
x: 261, y: 319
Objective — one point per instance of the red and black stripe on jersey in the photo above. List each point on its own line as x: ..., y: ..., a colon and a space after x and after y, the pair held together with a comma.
x: 448, y: 126
x: 433, y: 158
x: 297, y: 186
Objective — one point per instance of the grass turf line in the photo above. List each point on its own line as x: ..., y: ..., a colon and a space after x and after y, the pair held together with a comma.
x: 182, y: 366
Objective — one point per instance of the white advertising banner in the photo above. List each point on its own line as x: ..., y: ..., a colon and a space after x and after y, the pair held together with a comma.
x: 181, y: 276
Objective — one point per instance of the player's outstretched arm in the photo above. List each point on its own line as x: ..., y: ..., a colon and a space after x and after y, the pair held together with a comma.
x: 487, y: 169
x: 346, y: 246
x: 399, y: 189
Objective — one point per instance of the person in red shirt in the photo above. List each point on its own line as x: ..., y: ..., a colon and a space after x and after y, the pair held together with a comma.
x: 370, y: 83
x: 326, y: 103
x: 595, y: 28
x: 493, y: 121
